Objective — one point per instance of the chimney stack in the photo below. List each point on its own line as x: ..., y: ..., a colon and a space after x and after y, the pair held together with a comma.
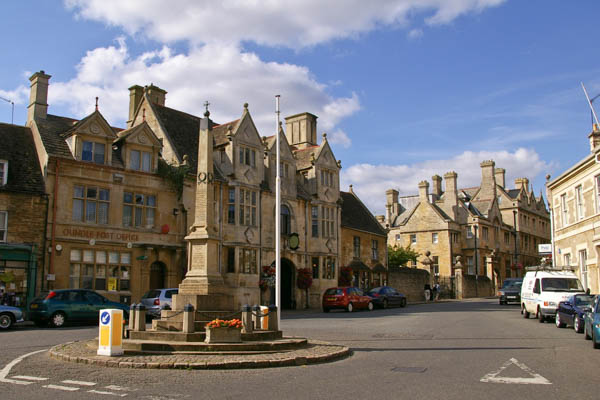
x: 156, y: 94
x: 424, y: 191
x: 436, y: 187
x: 488, y: 181
x: 136, y: 93
x: 500, y: 174
x: 450, y: 205
x: 522, y: 183
x: 38, y: 97
x: 301, y: 130
x: 391, y: 206
x: 594, y: 138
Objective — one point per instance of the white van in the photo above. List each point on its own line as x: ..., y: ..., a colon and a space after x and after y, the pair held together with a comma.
x: 543, y: 289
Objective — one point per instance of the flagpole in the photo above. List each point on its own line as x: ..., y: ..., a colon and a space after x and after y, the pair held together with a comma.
x: 277, y: 221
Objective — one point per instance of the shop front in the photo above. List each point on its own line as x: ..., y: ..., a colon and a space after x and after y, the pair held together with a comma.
x: 18, y: 274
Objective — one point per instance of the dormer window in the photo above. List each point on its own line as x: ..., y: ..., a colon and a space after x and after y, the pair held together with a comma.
x: 3, y: 172
x: 248, y: 156
x: 93, y: 151
x: 140, y: 160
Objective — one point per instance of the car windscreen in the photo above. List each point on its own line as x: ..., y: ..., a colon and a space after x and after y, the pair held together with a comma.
x: 334, y: 292
x: 514, y: 286
x: 169, y: 293
x: 561, y: 285
x: 151, y: 294
x: 584, y: 300
x: 376, y: 290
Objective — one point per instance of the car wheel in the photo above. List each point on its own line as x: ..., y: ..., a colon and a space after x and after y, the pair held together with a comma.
x: 558, y: 321
x: 540, y: 316
x: 524, y: 311
x: 58, y: 319
x: 577, y: 324
x: 385, y: 303
x: 403, y: 302
x: 325, y: 309
x: 350, y: 307
x: 370, y: 306
x: 6, y: 321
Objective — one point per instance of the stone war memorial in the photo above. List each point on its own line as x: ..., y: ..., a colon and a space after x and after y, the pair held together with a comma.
x: 203, y: 330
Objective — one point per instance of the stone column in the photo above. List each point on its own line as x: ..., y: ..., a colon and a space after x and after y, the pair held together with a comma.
x: 458, y: 278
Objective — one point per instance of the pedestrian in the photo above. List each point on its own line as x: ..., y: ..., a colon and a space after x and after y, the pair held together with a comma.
x: 436, y: 292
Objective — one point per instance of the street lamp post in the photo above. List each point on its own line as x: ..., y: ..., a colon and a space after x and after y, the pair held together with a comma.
x: 277, y: 220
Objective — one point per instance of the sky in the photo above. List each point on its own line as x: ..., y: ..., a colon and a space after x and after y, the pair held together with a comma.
x: 404, y: 89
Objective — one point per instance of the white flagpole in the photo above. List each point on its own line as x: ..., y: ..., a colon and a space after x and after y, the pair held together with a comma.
x: 277, y: 222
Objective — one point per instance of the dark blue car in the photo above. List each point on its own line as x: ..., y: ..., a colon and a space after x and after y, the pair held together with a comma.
x: 386, y: 296
x: 571, y: 311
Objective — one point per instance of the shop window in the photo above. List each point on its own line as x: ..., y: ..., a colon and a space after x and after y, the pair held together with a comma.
x: 315, y: 267
x: 248, y: 261
x: 329, y: 268
x: 89, y: 270
x: 231, y: 206
x: 3, y: 225
x: 90, y: 204
x: 93, y: 152
x: 139, y: 210
x: 315, y: 221
x: 3, y: 172
x: 140, y: 160
x: 247, y: 207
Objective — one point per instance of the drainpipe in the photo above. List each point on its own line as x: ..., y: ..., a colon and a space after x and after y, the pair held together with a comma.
x: 45, y: 245
x: 54, y: 202
x: 516, y: 237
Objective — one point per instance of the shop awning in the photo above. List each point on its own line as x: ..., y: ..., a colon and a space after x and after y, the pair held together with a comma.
x: 379, y: 268
x: 358, y: 265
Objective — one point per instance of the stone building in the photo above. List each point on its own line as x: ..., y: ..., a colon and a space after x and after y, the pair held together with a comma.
x: 364, y: 243
x: 494, y: 228
x: 23, y: 208
x: 575, y: 202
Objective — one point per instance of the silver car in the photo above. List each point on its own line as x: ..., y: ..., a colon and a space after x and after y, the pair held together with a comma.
x: 156, y: 300
x: 9, y: 316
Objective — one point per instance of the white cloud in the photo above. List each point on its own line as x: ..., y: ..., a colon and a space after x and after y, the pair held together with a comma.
x: 339, y: 137
x: 289, y: 23
x: 371, y: 181
x: 415, y: 33
x: 224, y: 75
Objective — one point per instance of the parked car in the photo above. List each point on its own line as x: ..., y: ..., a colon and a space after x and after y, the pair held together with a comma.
x: 510, y: 291
x: 60, y: 306
x: 386, y: 296
x: 592, y: 323
x: 571, y: 311
x: 346, y: 298
x: 10, y: 316
x: 157, y: 300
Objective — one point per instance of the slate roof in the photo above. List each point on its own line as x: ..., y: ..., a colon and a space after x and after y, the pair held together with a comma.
x: 303, y: 157
x: 18, y: 148
x: 51, y: 129
x: 220, y: 132
x: 355, y: 215
x: 513, y: 193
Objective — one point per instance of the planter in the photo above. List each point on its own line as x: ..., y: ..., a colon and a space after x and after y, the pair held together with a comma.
x: 223, y: 335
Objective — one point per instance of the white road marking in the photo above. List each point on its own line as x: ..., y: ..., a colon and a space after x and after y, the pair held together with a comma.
x: 6, y: 370
x: 108, y: 393
x: 536, y: 379
x: 81, y: 383
x: 28, y: 378
x: 60, y: 387
x: 120, y: 388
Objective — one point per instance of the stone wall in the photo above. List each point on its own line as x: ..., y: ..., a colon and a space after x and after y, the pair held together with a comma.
x: 409, y: 281
x: 480, y: 286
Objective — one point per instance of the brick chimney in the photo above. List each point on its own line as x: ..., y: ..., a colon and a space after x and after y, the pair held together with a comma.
x: 424, y: 191
x: 500, y: 174
x: 436, y: 188
x: 594, y: 138
x: 450, y: 205
x: 488, y: 181
x: 135, y: 98
x: 156, y: 94
x: 391, y: 206
x: 522, y: 183
x: 38, y: 97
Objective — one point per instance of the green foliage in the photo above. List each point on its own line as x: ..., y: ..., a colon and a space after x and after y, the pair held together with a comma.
x: 399, y: 256
x: 174, y: 175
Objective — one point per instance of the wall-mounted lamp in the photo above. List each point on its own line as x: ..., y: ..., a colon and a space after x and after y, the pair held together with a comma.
x: 175, y: 211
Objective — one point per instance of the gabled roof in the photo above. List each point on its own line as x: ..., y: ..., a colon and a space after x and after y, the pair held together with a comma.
x: 50, y: 130
x: 18, y: 148
x: 77, y: 125
x: 304, y: 156
x: 355, y: 215
x: 220, y: 132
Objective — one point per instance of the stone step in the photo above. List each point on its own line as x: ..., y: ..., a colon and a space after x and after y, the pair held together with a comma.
x: 132, y: 346
x: 166, y: 336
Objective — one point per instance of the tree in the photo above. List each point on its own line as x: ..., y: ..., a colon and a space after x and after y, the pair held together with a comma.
x: 399, y: 256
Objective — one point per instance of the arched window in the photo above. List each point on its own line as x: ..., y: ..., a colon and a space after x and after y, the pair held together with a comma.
x: 286, y: 219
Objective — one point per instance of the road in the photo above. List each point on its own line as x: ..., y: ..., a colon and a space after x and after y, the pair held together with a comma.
x: 472, y: 349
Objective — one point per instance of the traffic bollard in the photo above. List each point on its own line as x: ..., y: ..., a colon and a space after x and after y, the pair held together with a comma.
x: 132, y: 315
x: 273, y: 318
x: 188, y: 318
x: 256, y: 317
x: 140, y: 319
x: 247, y: 326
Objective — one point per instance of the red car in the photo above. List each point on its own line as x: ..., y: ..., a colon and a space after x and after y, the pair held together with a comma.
x: 346, y: 298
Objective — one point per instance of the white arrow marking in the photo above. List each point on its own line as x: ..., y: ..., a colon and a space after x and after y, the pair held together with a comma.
x: 6, y: 370
x: 81, y: 383
x: 536, y: 379
x: 59, y: 387
x: 29, y: 378
x: 108, y: 393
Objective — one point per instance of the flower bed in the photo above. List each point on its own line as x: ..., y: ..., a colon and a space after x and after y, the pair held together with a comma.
x: 224, y: 331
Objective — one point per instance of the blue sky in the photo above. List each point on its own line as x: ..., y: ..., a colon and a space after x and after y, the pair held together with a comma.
x: 405, y: 90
